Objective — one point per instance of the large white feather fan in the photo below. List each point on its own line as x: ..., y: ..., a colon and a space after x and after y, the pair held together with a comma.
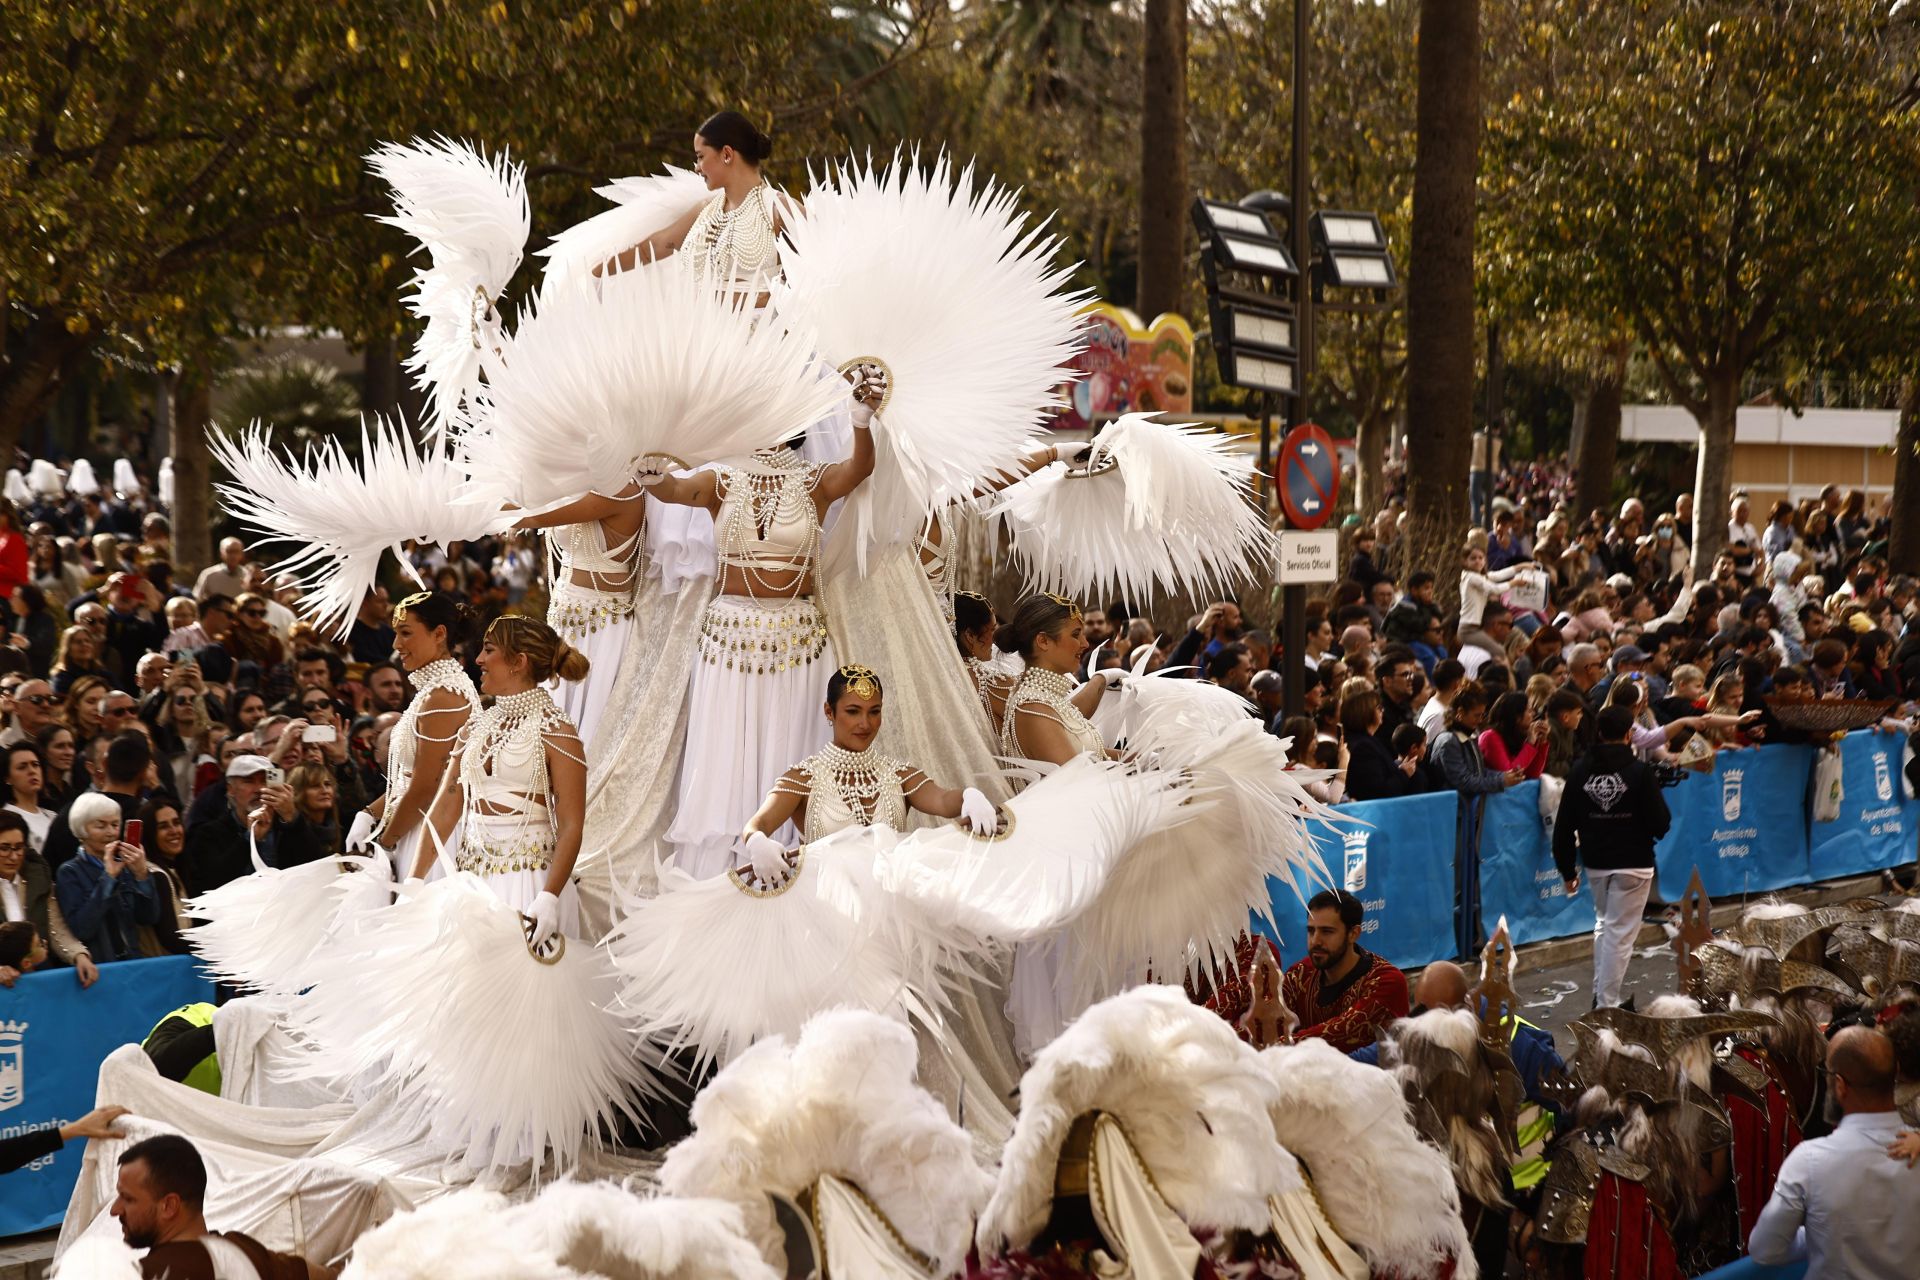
x: 943, y: 279
x: 659, y: 366
x: 471, y: 215
x: 842, y: 1100
x: 263, y: 930
x: 643, y: 207
x: 342, y: 516
x: 1190, y: 1095
x: 1387, y: 1192
x: 1161, y: 509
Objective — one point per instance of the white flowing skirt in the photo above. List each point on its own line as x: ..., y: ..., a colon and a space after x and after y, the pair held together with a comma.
x: 512, y: 854
x: 754, y: 710
x: 598, y: 624
x: 408, y: 849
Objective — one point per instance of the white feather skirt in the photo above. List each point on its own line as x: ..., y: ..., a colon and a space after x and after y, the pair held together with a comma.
x: 745, y: 728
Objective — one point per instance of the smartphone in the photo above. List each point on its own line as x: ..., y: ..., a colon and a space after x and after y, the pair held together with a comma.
x: 276, y: 775
x: 132, y: 832
x: 319, y: 733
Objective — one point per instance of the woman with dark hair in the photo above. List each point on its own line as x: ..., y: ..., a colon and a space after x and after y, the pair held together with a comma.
x: 731, y: 239
x: 1372, y: 771
x: 86, y: 698
x: 846, y: 783
x: 1546, y: 643
x: 60, y: 750
x: 427, y: 629
x: 1874, y: 674
x: 975, y: 625
x: 163, y: 834
x: 1046, y: 716
x: 57, y: 576
x: 1514, y: 738
x: 249, y: 708
x: 26, y: 784
x: 35, y: 623
x: 1303, y: 752
x: 1456, y: 752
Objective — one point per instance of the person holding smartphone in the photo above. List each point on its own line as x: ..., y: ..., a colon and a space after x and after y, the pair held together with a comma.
x: 106, y: 889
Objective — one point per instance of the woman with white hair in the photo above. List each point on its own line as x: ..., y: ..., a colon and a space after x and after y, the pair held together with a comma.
x: 106, y: 888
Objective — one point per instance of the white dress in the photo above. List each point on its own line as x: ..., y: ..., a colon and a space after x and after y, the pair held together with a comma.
x: 1037, y: 1000
x: 594, y: 621
x: 507, y: 821
x: 403, y: 749
x: 754, y: 704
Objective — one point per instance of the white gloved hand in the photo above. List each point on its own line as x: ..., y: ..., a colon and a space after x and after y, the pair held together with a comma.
x: 650, y: 477
x: 360, y: 832
x: 862, y: 415
x: 1110, y: 676
x: 769, y: 859
x: 545, y: 914
x: 978, y: 812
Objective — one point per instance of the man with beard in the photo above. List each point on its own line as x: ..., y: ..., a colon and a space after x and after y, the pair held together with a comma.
x: 386, y: 688
x: 161, y: 1190
x: 1341, y: 993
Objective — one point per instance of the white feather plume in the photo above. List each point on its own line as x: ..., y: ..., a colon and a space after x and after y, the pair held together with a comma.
x: 164, y: 482
x: 643, y: 207
x: 125, y: 480
x: 840, y: 1099
x: 1388, y: 1193
x: 1190, y: 1094
x: 81, y: 479
x: 343, y: 517
x: 45, y: 478
x: 1172, y: 517
x: 504, y: 1056
x: 709, y: 965
x: 472, y: 216
x: 942, y: 278
x: 16, y: 488
x: 655, y: 365
x: 98, y: 1257
x: 601, y: 1229
x: 467, y: 1232
x: 263, y: 930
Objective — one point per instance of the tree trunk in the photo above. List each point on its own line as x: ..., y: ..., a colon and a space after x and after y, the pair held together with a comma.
x: 33, y: 375
x: 192, y: 469
x: 1596, y: 445
x: 380, y: 377
x: 1440, y: 308
x: 1163, y: 160
x: 1713, y: 470
x: 1903, y: 553
x: 1370, y: 463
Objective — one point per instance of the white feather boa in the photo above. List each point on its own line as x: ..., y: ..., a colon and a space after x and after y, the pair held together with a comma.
x: 263, y: 930
x: 342, y: 516
x: 643, y: 207
x: 1173, y: 516
x: 1190, y: 1094
x: 472, y: 216
x: 653, y: 364
x: 942, y: 278
x: 438, y: 1000
x: 1388, y: 1193
x: 841, y: 1099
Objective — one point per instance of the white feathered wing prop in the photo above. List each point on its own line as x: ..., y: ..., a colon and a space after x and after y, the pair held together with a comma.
x: 662, y: 366
x: 263, y: 930
x: 472, y: 217
x: 643, y: 207
x: 1188, y: 1092
x: 343, y: 517
x: 943, y: 279
x: 503, y: 1055
x: 839, y: 1099
x: 1161, y: 509
x: 1182, y: 896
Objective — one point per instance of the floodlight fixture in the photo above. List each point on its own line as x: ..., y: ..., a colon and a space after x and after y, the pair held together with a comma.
x: 1351, y: 251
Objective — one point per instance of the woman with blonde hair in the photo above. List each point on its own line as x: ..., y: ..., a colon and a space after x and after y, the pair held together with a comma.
x: 522, y: 780
x: 77, y: 657
x: 180, y: 732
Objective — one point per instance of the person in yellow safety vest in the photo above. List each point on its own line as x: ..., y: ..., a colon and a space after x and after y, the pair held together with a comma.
x: 1443, y: 985
x: 181, y: 1046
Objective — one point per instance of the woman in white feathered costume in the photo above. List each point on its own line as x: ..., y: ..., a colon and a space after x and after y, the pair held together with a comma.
x: 763, y: 642
x: 427, y: 628
x: 846, y: 783
x: 1046, y: 716
x: 993, y: 673
x: 522, y: 780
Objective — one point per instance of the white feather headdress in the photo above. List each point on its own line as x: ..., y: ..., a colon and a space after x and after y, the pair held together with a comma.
x: 1162, y: 509
x: 1388, y: 1193
x: 472, y: 217
x: 943, y: 279
x: 657, y: 365
x: 1189, y: 1093
x: 841, y: 1099
x: 643, y: 207
x: 343, y: 517
x: 81, y: 479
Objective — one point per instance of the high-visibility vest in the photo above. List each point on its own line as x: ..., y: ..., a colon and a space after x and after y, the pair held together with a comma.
x: 205, y: 1075
x: 1533, y: 1132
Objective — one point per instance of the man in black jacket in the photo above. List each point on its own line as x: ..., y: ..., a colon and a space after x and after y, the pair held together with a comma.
x: 1611, y: 813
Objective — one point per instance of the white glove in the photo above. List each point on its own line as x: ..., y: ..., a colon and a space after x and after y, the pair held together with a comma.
x: 1110, y: 676
x: 545, y: 914
x: 649, y: 478
x: 862, y: 415
x: 978, y: 812
x: 769, y: 858
x: 360, y: 832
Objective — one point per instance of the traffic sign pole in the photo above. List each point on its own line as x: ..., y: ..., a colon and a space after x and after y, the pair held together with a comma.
x: 1307, y: 480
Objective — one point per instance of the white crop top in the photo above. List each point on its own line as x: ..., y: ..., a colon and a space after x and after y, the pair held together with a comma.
x: 767, y: 520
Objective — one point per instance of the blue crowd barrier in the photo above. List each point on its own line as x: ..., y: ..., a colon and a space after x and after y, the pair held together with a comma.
x: 1397, y: 857
x: 1748, y: 1269
x: 1877, y: 823
x: 53, y: 1038
x: 1518, y: 879
x: 1743, y: 824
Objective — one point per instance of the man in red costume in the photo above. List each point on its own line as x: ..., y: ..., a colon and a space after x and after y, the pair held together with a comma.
x: 1341, y: 993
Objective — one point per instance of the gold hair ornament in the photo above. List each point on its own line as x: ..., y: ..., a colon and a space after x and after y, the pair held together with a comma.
x: 1071, y: 606
x: 976, y: 597
x: 418, y: 597
x: 862, y: 681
